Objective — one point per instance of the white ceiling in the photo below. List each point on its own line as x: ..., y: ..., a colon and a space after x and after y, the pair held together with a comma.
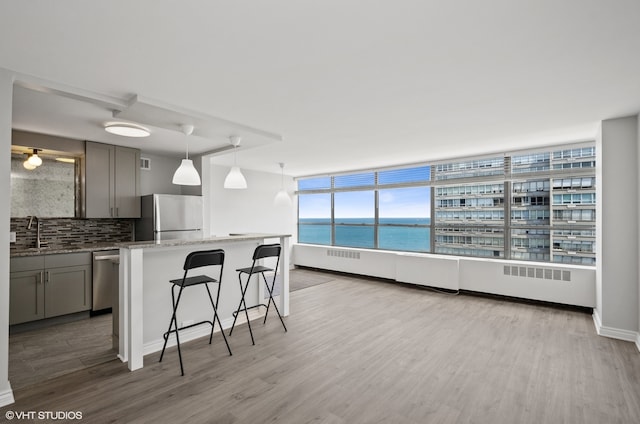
x: 347, y: 84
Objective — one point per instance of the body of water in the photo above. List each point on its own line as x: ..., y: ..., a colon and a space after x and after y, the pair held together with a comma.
x: 408, y: 234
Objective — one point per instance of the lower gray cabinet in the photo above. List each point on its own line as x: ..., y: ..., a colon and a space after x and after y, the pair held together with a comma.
x: 49, y: 285
x: 26, y: 299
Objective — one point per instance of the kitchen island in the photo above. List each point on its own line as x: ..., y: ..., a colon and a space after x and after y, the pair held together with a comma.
x: 145, y: 293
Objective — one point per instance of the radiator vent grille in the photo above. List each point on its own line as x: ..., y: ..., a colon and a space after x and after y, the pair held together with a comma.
x: 145, y: 163
x: 348, y: 254
x: 535, y: 272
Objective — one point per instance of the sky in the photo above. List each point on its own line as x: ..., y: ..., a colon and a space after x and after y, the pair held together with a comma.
x: 413, y: 202
x: 410, y: 202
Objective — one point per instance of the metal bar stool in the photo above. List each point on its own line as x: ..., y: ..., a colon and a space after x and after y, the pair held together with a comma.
x: 261, y: 252
x: 196, y: 260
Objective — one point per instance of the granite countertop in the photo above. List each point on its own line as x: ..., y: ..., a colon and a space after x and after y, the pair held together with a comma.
x: 33, y: 251
x: 15, y: 253
x: 205, y: 240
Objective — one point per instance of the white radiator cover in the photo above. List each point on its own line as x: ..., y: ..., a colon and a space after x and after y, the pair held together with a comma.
x: 433, y: 271
x: 566, y: 284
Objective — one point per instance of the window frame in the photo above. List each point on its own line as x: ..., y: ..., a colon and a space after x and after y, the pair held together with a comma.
x: 535, y: 178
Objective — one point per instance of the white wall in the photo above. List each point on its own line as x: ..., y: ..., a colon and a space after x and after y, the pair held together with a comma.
x: 158, y: 178
x: 6, y: 104
x: 617, y: 235
x: 247, y: 211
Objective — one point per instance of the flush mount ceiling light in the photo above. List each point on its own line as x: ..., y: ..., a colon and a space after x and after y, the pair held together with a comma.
x: 235, y: 180
x: 186, y: 174
x: 127, y: 129
x: 282, y: 197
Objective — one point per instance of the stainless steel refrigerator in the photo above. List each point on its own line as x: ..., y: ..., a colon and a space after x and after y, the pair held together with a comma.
x: 169, y: 217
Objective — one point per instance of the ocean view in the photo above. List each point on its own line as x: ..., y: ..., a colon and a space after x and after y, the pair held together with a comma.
x: 408, y: 234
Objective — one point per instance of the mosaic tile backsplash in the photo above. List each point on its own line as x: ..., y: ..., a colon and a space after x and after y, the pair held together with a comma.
x: 71, y: 232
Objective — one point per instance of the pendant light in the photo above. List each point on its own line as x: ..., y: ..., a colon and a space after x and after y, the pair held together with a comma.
x: 282, y: 197
x: 186, y: 174
x: 235, y: 180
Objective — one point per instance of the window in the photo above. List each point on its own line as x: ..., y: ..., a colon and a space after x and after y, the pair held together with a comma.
x: 314, y: 218
x: 536, y: 206
x: 354, y: 218
x: 404, y: 219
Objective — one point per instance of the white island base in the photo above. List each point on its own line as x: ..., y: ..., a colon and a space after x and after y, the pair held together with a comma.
x: 145, y: 291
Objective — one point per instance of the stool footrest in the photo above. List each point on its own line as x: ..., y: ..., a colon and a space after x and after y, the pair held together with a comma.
x: 235, y: 313
x: 165, y: 335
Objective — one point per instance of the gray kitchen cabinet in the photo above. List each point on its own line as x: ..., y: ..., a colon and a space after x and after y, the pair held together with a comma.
x: 46, y: 286
x: 26, y: 299
x: 112, y: 181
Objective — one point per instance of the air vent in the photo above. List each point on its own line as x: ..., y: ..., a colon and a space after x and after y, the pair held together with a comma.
x: 539, y: 273
x: 348, y: 254
x: 145, y: 164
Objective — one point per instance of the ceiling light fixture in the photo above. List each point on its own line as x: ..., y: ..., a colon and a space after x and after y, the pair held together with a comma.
x: 27, y: 165
x: 282, y: 197
x: 235, y: 180
x: 127, y: 129
x: 34, y: 160
x: 186, y: 174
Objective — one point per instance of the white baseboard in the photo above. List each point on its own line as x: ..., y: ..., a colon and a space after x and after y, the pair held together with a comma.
x: 6, y: 397
x: 596, y: 320
x: 615, y: 333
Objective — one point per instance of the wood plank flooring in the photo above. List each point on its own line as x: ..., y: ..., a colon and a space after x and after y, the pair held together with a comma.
x: 361, y: 351
x: 43, y: 353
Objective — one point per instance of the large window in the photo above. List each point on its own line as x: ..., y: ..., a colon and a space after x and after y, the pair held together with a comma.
x: 314, y: 217
x: 387, y: 209
x: 403, y: 219
x: 535, y: 206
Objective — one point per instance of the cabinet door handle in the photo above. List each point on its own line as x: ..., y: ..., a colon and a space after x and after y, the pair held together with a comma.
x: 40, y: 277
x: 111, y: 212
x: 117, y: 212
x: 47, y: 276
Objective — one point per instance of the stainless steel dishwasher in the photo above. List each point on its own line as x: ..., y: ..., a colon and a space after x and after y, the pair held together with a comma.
x: 105, y: 279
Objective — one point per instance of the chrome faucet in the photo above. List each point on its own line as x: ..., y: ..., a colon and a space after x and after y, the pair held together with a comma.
x: 31, y: 218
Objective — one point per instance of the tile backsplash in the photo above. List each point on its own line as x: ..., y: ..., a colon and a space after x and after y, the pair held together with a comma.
x: 69, y: 232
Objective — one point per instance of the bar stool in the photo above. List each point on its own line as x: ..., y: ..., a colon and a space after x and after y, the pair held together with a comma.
x: 196, y: 260
x: 261, y: 252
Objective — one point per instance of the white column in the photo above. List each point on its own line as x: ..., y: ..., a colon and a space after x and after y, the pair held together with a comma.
x: 284, y: 270
x: 6, y: 102
x: 638, y: 218
x: 617, y: 235
x: 135, y: 328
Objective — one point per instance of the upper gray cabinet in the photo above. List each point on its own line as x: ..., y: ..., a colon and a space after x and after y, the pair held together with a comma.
x: 112, y: 181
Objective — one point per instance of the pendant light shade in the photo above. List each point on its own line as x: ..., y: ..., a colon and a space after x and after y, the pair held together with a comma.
x: 235, y: 180
x: 282, y: 197
x: 186, y: 174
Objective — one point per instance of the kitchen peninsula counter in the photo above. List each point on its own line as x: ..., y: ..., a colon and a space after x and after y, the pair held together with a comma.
x: 145, y: 293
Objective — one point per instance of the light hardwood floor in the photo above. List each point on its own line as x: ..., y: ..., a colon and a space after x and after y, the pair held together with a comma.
x: 361, y: 351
